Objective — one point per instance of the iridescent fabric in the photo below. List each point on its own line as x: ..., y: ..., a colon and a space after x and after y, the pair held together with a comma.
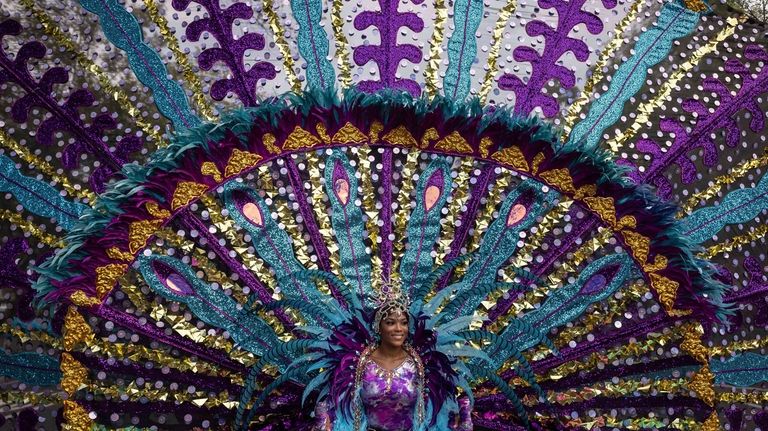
x: 389, y: 396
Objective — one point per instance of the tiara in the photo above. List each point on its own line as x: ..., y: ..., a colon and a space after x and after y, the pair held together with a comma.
x: 389, y: 299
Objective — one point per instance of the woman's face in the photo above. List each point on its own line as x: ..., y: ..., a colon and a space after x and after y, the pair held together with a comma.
x: 394, y: 330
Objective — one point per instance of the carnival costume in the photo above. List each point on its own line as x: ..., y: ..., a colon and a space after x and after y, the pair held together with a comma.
x: 205, y: 202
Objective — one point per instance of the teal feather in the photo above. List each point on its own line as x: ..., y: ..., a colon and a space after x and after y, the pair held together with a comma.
x: 347, y: 220
x: 518, y: 212
x: 30, y: 368
x: 480, y: 292
x: 318, y: 380
x: 270, y: 242
x: 418, y: 297
x: 424, y: 224
x: 506, y: 390
x: 353, y: 302
x: 332, y: 313
x: 176, y: 281
x: 569, y: 302
x: 38, y: 197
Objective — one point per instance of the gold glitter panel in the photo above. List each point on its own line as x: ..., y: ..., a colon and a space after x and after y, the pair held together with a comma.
x: 27, y: 226
x: 524, y: 255
x: 368, y: 199
x: 435, y: 49
x: 342, y: 46
x: 282, y: 45
x: 321, y: 213
x: 403, y: 206
x: 459, y: 198
x: 282, y: 207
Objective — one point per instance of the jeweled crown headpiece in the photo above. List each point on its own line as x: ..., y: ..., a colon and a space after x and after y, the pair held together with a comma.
x: 391, y: 300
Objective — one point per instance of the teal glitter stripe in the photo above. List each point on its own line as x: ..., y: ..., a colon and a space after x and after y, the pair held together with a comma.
x: 423, y: 228
x: 38, y: 197
x: 124, y: 31
x: 313, y: 43
x: 743, y: 370
x: 569, y: 302
x: 500, y: 241
x: 462, y: 48
x: 179, y: 283
x: 273, y: 245
x: 348, y: 226
x: 675, y: 22
x: 738, y: 206
x: 30, y: 368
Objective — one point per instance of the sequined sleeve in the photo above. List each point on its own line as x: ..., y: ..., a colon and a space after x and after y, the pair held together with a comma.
x: 323, y: 420
x: 464, y: 422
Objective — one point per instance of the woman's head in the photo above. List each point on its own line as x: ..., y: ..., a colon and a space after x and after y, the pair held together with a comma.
x: 391, y: 324
x: 393, y: 329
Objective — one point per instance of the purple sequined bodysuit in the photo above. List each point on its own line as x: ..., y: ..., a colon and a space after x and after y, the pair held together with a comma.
x: 389, y: 397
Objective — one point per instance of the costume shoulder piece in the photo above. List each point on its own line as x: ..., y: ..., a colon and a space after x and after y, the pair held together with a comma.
x: 205, y: 201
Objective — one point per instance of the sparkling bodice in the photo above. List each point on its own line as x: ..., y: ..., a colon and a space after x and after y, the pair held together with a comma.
x: 389, y: 397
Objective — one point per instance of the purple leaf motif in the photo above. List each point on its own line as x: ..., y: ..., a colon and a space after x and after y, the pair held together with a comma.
x: 11, y: 275
x: 708, y: 123
x: 64, y: 117
x: 529, y: 95
x: 231, y: 50
x: 388, y: 54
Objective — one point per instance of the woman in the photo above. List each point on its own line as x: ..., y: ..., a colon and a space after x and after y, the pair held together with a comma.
x: 389, y: 381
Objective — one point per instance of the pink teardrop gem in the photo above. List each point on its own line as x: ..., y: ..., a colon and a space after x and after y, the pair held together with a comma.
x: 516, y: 214
x: 431, y: 195
x: 341, y: 188
x: 252, y: 212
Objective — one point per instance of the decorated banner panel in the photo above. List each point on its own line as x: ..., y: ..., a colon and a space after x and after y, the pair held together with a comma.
x: 383, y: 215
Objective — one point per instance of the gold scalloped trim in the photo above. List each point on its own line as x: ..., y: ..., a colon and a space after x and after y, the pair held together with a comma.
x: 155, y: 211
x: 79, y: 298
x: 117, y: 254
x: 186, y: 192
x: 76, y: 330
x: 512, y: 156
x: 560, y: 178
x: 604, y: 207
x: 300, y: 138
x: 454, y: 142
x: 400, y: 136
x: 322, y: 132
x: 76, y: 417
x: 239, y: 161
x: 73, y: 374
x: 139, y: 232
x: 640, y: 245
x: 374, y: 131
x: 209, y: 168
x: 349, y: 134
x: 269, y: 143
x: 107, y: 276
x: 430, y: 135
